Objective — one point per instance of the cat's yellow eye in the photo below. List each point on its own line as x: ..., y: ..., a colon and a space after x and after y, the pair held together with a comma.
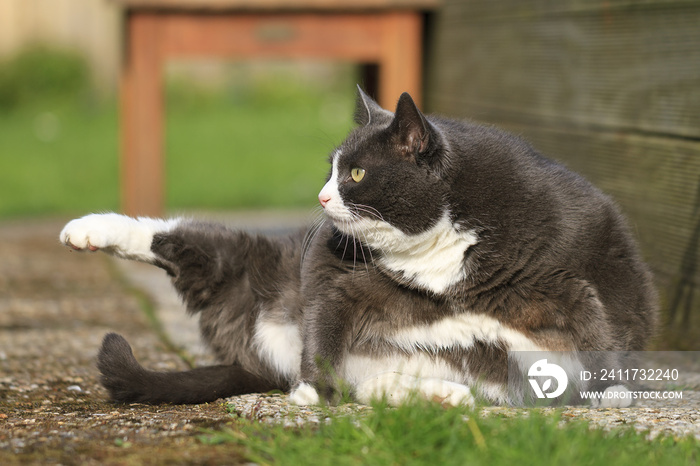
x: 357, y: 174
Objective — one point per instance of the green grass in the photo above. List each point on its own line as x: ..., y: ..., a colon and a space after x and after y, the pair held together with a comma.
x: 263, y: 143
x: 426, y: 433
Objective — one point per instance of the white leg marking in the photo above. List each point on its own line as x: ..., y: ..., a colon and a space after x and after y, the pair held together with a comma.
x: 304, y: 395
x: 116, y: 234
x: 494, y: 392
x: 279, y: 345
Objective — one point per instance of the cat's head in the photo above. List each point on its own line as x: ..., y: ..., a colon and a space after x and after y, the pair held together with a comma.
x: 388, y: 172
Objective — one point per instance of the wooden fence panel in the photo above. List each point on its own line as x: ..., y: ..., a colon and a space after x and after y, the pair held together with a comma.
x: 612, y: 90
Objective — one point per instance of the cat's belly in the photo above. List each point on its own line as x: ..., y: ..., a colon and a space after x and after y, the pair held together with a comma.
x: 451, y: 349
x: 398, y: 376
x: 358, y: 368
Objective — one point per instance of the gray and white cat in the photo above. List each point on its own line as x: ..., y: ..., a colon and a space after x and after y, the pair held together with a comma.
x: 446, y: 244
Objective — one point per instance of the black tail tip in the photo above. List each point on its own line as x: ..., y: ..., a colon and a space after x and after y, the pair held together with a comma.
x: 121, y: 373
x: 114, y: 340
x: 115, y: 351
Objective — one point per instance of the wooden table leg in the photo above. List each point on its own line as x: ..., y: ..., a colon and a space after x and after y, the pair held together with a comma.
x: 400, y: 64
x: 143, y: 168
x: 142, y: 115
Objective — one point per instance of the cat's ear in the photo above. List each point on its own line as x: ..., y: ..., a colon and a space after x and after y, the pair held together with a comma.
x: 368, y: 111
x: 410, y: 126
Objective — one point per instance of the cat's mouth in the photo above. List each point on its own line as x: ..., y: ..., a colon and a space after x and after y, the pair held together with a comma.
x: 338, y: 214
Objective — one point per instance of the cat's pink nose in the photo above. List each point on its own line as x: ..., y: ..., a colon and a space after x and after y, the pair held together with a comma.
x: 323, y: 198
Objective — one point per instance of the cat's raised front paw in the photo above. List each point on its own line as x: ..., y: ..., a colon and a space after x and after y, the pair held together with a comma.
x: 116, y: 234
x: 92, y: 232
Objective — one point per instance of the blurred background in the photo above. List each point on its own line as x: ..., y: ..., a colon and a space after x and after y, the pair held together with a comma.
x: 238, y: 134
x: 611, y: 89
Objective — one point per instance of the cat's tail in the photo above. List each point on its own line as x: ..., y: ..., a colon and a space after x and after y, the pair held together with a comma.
x: 128, y: 382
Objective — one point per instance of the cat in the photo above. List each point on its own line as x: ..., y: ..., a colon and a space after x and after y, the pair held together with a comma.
x: 444, y: 245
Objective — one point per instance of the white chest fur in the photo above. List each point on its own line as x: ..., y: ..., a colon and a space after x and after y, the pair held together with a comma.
x: 433, y: 260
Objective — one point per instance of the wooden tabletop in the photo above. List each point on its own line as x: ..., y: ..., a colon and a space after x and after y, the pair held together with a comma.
x: 280, y: 5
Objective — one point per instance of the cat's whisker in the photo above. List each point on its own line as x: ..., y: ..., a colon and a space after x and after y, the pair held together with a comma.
x: 355, y: 215
x: 369, y: 210
x: 347, y: 238
x: 312, y: 236
x: 319, y: 219
x: 350, y: 226
x: 369, y: 249
x: 364, y: 258
x: 354, y: 246
x: 312, y: 232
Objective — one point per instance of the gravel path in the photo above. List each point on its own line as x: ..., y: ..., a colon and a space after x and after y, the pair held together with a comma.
x: 653, y: 418
x: 55, y: 307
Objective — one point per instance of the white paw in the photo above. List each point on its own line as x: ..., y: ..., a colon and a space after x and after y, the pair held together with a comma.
x: 304, y: 395
x: 397, y: 388
x: 616, y: 396
x: 116, y: 234
x: 93, y: 232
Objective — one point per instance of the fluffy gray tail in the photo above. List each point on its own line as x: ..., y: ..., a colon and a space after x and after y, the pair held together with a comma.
x: 128, y: 382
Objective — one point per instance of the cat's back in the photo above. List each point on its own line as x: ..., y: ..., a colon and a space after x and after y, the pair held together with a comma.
x: 535, y: 216
x: 500, y: 182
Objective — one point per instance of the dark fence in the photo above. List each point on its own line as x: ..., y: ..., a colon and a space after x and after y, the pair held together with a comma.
x: 612, y: 89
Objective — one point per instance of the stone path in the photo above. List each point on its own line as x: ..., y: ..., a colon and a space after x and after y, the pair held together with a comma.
x: 55, y: 307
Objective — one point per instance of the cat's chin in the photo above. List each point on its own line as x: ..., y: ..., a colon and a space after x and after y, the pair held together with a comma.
x: 357, y: 228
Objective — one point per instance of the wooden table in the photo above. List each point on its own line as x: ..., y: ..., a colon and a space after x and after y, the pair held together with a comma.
x: 385, y: 34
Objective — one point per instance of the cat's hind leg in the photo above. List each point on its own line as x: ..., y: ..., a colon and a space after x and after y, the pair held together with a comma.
x: 397, y: 388
x: 128, y: 382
